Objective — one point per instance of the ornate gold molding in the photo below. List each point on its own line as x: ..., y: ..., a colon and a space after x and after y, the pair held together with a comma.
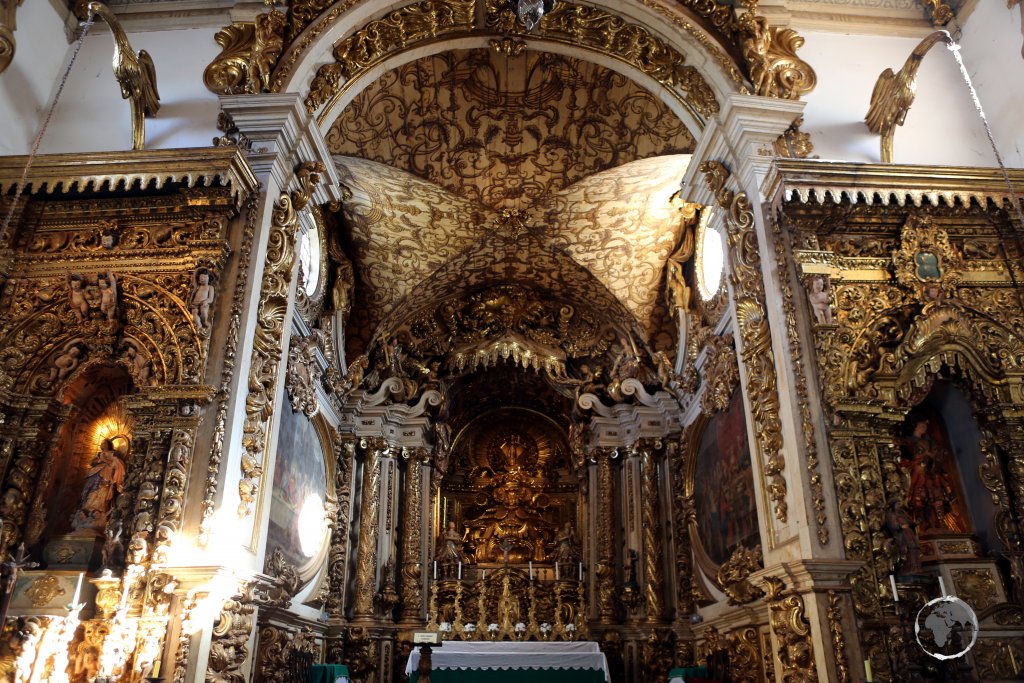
x: 834, y: 614
x: 752, y: 320
x: 654, y: 575
x: 399, y: 30
x: 800, y: 376
x: 721, y: 374
x: 792, y: 633
x: 303, y: 375
x: 270, y: 321
x: 8, y: 24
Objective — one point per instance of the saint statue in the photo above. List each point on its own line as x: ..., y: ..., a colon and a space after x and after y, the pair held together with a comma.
x: 901, y: 527
x: 566, y: 547
x: 931, y: 497
x: 103, y: 480
x: 449, y: 550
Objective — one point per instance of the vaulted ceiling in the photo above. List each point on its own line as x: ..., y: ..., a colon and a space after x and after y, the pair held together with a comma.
x: 437, y: 153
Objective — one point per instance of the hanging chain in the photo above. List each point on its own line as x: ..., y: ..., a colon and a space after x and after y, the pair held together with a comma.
x: 85, y: 26
x: 954, y: 47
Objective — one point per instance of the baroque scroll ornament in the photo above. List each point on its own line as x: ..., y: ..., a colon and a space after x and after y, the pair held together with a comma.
x: 721, y: 374
x: 267, y: 345
x: 303, y: 375
x: 752, y: 320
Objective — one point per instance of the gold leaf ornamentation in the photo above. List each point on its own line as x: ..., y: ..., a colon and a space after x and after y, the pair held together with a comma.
x: 250, y: 49
x: 751, y: 318
x: 7, y: 27
x: 43, y: 590
x: 267, y: 345
x: 792, y: 632
x: 721, y: 374
x: 734, y: 575
x: 770, y: 52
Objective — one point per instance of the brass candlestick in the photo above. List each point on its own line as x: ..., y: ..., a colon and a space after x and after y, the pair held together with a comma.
x: 458, y: 625
x: 532, y: 627
x: 505, y: 628
x: 481, y: 624
x: 432, y: 624
x: 558, y: 630
x: 581, y: 612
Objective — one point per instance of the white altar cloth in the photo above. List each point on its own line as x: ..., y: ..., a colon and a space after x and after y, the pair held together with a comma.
x: 457, y: 654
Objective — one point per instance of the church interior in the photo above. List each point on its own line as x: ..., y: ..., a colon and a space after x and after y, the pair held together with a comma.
x: 458, y: 340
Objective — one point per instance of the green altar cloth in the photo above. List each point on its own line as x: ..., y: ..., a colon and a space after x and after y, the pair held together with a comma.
x: 328, y: 673
x: 688, y: 672
x: 513, y: 676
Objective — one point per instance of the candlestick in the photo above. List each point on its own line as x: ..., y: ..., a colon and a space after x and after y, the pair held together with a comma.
x: 581, y: 571
x: 942, y: 587
x: 531, y: 570
x: 78, y: 591
x: 435, y: 570
x: 460, y: 571
x: 895, y: 593
x: 867, y: 671
x: 483, y: 574
x: 556, y: 571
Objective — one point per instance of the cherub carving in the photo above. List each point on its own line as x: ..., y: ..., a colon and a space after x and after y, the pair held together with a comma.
x: 107, y: 283
x: 203, y: 293
x: 138, y: 360
x: 820, y: 297
x: 67, y: 361
x: 76, y: 296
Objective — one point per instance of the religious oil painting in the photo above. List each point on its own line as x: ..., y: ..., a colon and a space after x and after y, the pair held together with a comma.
x: 724, y: 485
x: 934, y: 499
x: 297, y: 523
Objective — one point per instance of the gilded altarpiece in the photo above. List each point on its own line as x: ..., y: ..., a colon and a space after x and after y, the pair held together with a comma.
x: 907, y: 285
x: 121, y: 306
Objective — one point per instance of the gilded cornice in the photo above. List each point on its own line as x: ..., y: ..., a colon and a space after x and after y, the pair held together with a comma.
x: 143, y: 170
x: 822, y: 182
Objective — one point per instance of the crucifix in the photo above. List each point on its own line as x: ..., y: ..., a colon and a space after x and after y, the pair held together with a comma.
x: 505, y: 546
x: 9, y: 575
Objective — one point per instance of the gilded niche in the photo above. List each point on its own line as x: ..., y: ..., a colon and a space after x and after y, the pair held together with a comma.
x: 509, y: 490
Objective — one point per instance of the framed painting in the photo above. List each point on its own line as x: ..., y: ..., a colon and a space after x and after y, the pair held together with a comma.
x: 725, y: 504
x: 297, y: 515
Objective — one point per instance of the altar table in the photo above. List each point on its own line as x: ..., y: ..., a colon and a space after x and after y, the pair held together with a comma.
x: 687, y: 673
x: 510, y: 662
x: 329, y: 673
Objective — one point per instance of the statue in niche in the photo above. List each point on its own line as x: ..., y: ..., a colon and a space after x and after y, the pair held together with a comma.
x: 677, y: 291
x: 67, y: 361
x: 450, y: 549
x: 932, y: 497
x: 820, y: 298
x: 904, y: 535
x: 113, y: 546
x: 103, y: 480
x: 567, y: 548
x: 107, y: 283
x: 341, y: 293
x: 77, y: 298
x: 139, y: 361
x: 203, y: 293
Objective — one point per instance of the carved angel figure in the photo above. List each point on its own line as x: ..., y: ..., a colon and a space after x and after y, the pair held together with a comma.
x: 107, y: 283
x: 203, y: 293
x: 821, y: 301
x: 76, y: 296
x: 138, y: 360
x: 67, y: 361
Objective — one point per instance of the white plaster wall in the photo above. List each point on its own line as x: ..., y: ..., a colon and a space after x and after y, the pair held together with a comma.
x: 30, y: 80
x: 942, y: 127
x: 992, y: 40
x: 91, y: 116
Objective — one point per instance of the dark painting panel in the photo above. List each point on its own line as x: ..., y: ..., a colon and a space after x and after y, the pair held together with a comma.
x: 724, y: 485
x: 298, y: 474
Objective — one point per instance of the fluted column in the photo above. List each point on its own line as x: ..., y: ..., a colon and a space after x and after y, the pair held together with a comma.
x: 605, y: 581
x: 369, y: 532
x: 654, y: 574
x: 412, y: 525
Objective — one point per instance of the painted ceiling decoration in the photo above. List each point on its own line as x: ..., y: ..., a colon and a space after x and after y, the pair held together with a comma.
x: 505, y: 131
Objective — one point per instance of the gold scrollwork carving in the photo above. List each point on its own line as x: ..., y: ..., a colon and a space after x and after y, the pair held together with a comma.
x: 801, y: 382
x: 250, y: 49
x: 976, y: 586
x: 43, y: 590
x: 835, y: 627
x: 366, y: 557
x: 412, y: 565
x: 792, y: 632
x: 303, y: 375
x: 752, y: 320
x: 229, y: 645
x: 721, y: 374
x: 926, y: 263
x: 770, y: 53
x: 734, y: 575
x: 270, y: 319
x: 400, y: 29
x: 654, y: 575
